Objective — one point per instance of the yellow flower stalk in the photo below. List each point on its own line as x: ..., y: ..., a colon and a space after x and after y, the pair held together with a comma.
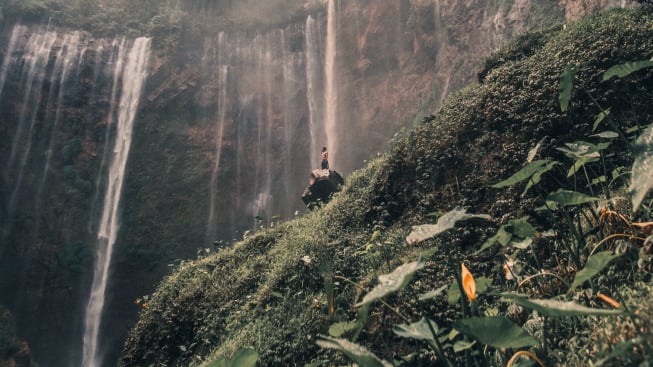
x: 469, y: 285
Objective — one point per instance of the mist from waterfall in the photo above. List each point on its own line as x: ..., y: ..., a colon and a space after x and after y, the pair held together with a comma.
x: 133, y: 78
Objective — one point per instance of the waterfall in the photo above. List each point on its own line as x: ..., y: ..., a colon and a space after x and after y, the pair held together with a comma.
x: 311, y: 92
x: 65, y: 59
x: 133, y: 77
x: 222, y: 114
x: 16, y: 33
x: 38, y: 55
x: 331, y: 93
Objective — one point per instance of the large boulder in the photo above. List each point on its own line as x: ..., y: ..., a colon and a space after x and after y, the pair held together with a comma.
x: 322, y: 184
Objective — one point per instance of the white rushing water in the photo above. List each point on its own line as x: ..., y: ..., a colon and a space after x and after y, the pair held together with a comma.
x: 331, y: 92
x: 133, y: 76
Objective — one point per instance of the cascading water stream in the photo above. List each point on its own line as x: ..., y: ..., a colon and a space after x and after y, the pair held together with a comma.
x: 40, y: 46
x: 222, y: 107
x: 66, y: 56
x: 331, y: 92
x: 133, y: 79
x: 312, y: 67
x: 16, y: 33
x: 116, y: 59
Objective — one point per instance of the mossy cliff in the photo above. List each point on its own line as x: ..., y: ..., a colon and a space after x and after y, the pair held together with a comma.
x: 267, y: 292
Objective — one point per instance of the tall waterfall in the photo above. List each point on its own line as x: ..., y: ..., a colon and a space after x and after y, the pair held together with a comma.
x: 331, y: 92
x: 313, y: 82
x: 133, y: 76
x: 212, y: 224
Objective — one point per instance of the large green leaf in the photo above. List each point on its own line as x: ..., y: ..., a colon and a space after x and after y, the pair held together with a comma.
x: 642, y: 172
x: 353, y: 351
x: 626, y: 69
x: 594, y: 265
x: 523, y: 174
x: 550, y: 307
x: 566, y: 86
x: 417, y: 330
x: 497, y: 332
x: 390, y: 283
x: 242, y: 358
x: 566, y: 197
x: 445, y: 222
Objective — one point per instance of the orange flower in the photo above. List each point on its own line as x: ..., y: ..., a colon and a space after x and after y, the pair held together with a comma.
x: 609, y: 300
x: 469, y: 285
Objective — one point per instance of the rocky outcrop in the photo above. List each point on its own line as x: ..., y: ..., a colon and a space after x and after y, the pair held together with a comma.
x: 322, y: 185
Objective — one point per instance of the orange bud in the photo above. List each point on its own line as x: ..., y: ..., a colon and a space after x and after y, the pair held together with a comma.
x: 609, y: 300
x: 469, y: 285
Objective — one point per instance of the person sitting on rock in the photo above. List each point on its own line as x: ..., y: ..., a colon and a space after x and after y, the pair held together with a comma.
x: 325, y: 159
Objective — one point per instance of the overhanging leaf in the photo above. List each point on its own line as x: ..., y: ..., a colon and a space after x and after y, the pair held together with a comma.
x: 554, y: 308
x: 417, y: 330
x: 390, y: 283
x: 241, y: 358
x: 566, y: 86
x: 594, y: 265
x: 353, y: 351
x: 642, y: 172
x: 497, y: 332
x: 445, y: 222
x: 566, y: 197
x: 626, y: 69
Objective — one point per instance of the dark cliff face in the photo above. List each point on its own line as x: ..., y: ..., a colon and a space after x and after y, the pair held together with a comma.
x: 227, y: 131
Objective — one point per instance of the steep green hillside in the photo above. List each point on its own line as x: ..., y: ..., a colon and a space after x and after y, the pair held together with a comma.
x: 271, y: 292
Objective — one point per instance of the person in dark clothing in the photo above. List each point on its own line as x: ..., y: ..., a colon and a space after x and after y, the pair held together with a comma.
x: 325, y: 159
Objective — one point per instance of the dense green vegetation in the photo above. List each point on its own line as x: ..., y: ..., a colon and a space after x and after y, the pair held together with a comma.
x: 539, y: 152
